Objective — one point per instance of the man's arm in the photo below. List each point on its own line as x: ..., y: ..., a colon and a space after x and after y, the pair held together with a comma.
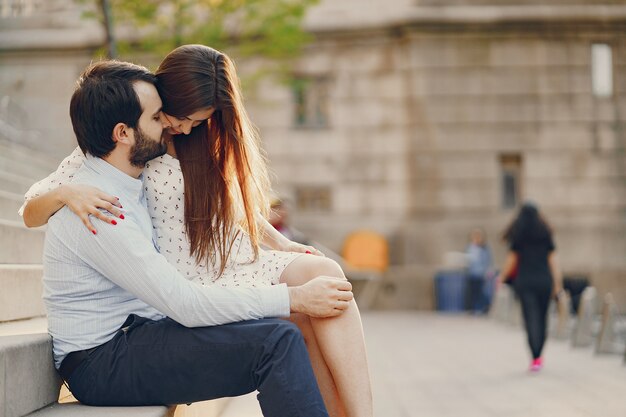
x: 125, y: 256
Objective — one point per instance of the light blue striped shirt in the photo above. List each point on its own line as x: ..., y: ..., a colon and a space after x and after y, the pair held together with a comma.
x: 93, y: 282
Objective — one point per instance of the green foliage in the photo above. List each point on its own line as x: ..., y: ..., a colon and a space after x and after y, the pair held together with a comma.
x: 269, y: 28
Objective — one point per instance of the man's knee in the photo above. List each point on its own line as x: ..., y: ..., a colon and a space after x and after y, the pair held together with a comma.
x: 284, y: 347
x: 285, y: 331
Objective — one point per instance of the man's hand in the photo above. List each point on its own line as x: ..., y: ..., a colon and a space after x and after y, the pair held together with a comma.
x: 321, y: 297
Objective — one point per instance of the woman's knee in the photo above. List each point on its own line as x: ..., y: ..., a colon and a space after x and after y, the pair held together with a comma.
x: 327, y: 266
x: 308, y: 267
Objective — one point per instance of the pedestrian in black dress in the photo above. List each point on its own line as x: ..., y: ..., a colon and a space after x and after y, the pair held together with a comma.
x: 538, y: 279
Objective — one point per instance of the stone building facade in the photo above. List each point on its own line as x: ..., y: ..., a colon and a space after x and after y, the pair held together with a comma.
x: 427, y: 121
x: 417, y: 119
x: 44, y: 46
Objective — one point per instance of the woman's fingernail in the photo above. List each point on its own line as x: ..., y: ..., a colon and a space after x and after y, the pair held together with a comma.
x: 93, y: 231
x: 122, y: 216
x: 121, y: 206
x: 308, y: 251
x: 113, y: 222
x: 117, y: 198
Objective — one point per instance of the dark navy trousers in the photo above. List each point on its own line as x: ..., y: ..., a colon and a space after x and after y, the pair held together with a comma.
x: 164, y: 363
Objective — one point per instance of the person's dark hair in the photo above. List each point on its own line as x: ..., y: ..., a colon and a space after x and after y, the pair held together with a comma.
x: 529, y: 224
x: 104, y: 96
x: 221, y: 160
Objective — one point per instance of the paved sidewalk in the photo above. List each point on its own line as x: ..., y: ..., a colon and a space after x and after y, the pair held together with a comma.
x: 425, y: 364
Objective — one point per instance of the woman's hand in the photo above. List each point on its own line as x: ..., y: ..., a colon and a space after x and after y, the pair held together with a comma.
x: 291, y: 246
x: 85, y: 200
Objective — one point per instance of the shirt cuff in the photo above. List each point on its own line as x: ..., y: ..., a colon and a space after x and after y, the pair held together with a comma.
x: 275, y: 300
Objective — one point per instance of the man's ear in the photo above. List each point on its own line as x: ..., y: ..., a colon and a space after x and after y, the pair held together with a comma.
x: 122, y: 134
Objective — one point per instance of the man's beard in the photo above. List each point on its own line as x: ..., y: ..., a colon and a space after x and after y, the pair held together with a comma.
x: 145, y: 149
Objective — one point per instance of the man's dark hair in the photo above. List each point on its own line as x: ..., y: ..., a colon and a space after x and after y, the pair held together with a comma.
x: 104, y: 97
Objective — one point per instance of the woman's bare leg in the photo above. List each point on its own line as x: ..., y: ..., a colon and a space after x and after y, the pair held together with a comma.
x: 340, y: 339
x: 322, y: 373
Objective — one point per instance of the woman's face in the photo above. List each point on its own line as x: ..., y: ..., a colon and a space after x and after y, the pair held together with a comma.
x: 183, y: 125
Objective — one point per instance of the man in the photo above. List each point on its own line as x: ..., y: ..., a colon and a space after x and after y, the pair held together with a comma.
x: 127, y: 329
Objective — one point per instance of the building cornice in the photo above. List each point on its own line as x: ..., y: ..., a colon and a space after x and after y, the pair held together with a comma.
x: 328, y: 18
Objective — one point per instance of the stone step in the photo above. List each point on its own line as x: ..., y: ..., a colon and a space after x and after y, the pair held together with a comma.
x: 14, y: 183
x: 20, y: 245
x: 25, y: 168
x: 21, y: 293
x: 22, y: 153
x: 29, y: 380
x: 9, y: 205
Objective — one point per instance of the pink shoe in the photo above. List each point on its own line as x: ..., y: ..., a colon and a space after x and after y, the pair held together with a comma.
x: 536, y: 365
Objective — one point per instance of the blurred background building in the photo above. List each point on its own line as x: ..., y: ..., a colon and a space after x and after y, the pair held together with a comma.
x: 417, y: 119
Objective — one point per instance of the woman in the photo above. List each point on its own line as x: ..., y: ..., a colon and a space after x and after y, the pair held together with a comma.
x: 532, y: 250
x: 208, y: 197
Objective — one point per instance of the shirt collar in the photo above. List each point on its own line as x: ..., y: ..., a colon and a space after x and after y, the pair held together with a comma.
x: 133, y: 186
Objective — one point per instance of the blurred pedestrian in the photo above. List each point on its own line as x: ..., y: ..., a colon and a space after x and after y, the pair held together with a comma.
x: 478, y: 265
x: 279, y: 218
x: 533, y: 252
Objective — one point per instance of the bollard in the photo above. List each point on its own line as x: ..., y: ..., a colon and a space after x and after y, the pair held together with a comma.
x: 582, y: 336
x: 515, y: 317
x: 561, y: 329
x: 502, y: 300
x: 607, y: 338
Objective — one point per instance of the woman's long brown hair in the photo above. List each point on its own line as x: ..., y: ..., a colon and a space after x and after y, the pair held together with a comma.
x: 225, y: 172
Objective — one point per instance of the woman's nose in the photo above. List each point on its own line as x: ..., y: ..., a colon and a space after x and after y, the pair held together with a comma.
x: 165, y: 122
x: 186, y: 127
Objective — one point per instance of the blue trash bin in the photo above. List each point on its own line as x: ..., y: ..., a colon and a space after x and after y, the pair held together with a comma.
x: 450, y: 290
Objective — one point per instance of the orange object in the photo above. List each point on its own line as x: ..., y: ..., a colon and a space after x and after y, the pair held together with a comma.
x: 366, y: 250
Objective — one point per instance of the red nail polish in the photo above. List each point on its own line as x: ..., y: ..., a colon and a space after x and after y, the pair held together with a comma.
x: 113, y: 222
x: 93, y: 231
x: 117, y: 198
x: 122, y: 216
x: 121, y: 206
x: 309, y: 252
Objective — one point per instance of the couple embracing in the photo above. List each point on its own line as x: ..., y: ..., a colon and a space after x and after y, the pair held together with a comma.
x: 157, y: 283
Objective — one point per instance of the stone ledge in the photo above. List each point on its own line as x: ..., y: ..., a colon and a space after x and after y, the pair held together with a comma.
x: 55, y: 39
